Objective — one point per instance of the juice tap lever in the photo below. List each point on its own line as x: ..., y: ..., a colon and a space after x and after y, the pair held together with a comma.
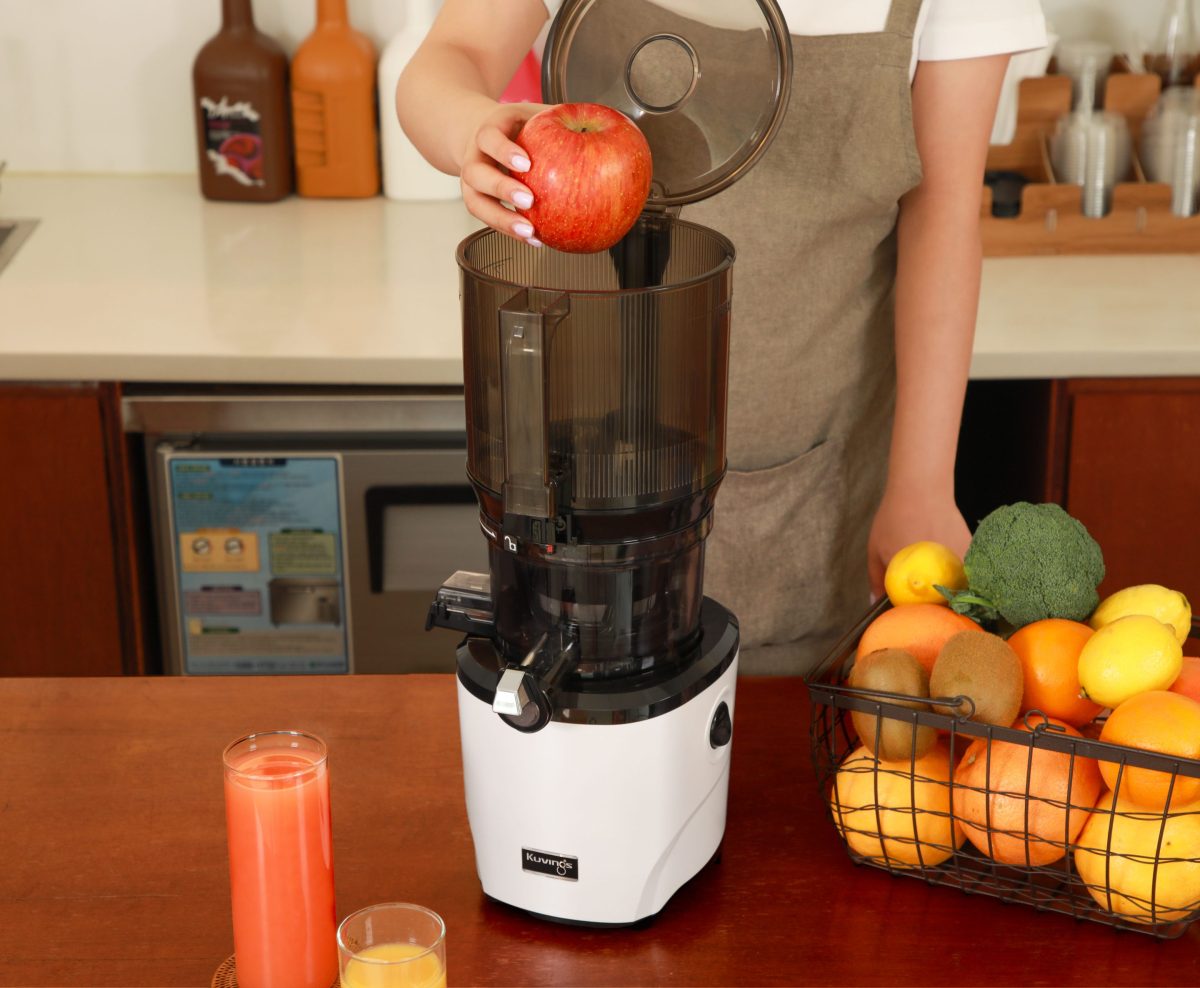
x: 512, y: 696
x: 522, y: 693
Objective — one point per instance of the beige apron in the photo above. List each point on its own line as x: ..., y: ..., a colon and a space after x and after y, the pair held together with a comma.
x: 812, y: 366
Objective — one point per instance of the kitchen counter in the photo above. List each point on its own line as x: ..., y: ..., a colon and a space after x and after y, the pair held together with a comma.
x: 140, y: 279
x: 113, y: 841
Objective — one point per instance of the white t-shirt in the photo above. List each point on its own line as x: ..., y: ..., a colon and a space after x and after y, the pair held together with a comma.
x: 946, y: 29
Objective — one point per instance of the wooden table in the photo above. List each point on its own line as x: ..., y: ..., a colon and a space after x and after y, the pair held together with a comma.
x: 113, y: 867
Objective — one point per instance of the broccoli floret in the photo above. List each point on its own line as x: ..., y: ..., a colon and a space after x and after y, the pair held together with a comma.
x: 1030, y: 561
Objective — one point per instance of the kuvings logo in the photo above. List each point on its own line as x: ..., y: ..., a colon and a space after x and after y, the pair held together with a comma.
x: 555, y: 865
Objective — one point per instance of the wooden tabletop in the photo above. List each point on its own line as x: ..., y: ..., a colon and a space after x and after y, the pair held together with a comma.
x: 113, y: 866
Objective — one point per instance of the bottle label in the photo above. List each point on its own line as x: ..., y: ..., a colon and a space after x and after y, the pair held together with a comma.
x: 233, y: 139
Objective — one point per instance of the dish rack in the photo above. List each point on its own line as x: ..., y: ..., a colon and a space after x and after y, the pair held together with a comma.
x: 1055, y: 887
x: 1051, y: 219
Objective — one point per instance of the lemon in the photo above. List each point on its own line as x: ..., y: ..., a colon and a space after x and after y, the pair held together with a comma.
x: 916, y: 570
x: 1141, y: 865
x: 1169, y: 606
x: 1134, y: 654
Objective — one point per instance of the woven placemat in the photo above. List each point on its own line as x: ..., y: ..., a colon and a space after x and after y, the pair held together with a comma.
x: 226, y: 976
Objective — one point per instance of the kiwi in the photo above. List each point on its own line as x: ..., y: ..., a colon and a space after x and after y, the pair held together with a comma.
x: 985, y: 668
x: 892, y: 670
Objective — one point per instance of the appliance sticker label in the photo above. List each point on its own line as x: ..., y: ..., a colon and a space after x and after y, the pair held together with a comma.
x: 233, y: 139
x: 260, y: 563
x: 561, y: 866
x: 218, y: 550
x: 222, y: 600
x: 302, y: 552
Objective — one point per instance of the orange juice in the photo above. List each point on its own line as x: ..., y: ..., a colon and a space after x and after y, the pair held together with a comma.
x: 281, y: 863
x: 364, y: 969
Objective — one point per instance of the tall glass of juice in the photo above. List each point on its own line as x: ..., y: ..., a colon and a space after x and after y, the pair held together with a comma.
x: 393, y: 945
x: 281, y: 861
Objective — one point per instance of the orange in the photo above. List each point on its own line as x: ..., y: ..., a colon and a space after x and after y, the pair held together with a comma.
x: 1014, y: 808
x: 1159, y: 721
x: 1049, y: 653
x: 919, y: 629
x: 896, y: 814
x: 1188, y: 682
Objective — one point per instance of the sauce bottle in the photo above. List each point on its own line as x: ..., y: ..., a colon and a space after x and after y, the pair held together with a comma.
x: 333, y: 108
x: 239, y: 84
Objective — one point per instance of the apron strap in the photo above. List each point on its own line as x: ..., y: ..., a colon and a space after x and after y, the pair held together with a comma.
x: 902, y: 17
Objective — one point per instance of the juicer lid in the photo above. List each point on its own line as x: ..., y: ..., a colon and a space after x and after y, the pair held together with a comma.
x: 707, y: 82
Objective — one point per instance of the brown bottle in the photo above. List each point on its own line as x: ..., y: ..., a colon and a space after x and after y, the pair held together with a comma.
x: 333, y: 108
x: 239, y: 81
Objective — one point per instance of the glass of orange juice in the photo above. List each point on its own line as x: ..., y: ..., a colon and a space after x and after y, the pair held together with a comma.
x: 393, y: 945
x: 281, y: 860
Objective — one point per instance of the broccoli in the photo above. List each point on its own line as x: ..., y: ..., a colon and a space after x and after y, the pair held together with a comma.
x: 1027, y: 562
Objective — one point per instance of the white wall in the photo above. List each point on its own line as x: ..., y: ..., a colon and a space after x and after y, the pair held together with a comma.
x: 105, y: 85
x: 1119, y: 22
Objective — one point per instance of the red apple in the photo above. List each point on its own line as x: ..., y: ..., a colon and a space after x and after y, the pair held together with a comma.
x: 589, y: 174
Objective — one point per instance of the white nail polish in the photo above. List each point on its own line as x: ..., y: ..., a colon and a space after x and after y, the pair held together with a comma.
x: 522, y: 200
x: 523, y: 230
x: 520, y: 163
x: 533, y: 242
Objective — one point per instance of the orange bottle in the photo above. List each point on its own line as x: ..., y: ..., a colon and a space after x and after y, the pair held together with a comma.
x: 333, y: 108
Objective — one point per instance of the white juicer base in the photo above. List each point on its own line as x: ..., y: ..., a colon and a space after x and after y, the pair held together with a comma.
x: 639, y: 807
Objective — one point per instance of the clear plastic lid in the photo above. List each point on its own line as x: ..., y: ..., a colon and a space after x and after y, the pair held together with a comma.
x: 706, y: 80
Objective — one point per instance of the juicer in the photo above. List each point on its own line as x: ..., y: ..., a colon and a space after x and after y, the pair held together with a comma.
x: 596, y: 683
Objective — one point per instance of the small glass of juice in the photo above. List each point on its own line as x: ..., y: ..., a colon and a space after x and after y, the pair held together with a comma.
x: 393, y: 945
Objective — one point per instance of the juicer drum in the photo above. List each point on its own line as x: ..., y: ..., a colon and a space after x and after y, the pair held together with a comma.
x: 596, y: 382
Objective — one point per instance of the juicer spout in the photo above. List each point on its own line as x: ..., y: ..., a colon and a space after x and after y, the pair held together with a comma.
x: 464, y: 603
x: 523, y: 694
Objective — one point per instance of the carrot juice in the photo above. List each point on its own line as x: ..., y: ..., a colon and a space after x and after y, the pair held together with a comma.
x: 281, y: 861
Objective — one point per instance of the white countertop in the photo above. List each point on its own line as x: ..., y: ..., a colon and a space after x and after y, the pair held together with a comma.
x: 1122, y: 315
x: 140, y: 279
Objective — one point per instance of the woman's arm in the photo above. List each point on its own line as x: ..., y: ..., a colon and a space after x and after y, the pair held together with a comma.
x: 446, y: 102
x: 937, y: 297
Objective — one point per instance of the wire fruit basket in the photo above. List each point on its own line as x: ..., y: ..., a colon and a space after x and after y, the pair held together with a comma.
x: 975, y: 812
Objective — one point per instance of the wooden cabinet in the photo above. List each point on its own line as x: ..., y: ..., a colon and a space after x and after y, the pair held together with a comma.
x: 68, y: 568
x: 1120, y: 455
x: 1131, y: 473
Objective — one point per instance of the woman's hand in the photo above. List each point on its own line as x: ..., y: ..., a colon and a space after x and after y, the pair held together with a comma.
x: 489, y: 164
x: 904, y: 518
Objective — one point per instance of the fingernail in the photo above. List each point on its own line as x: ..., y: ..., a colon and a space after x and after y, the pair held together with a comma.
x: 533, y: 242
x: 523, y: 230
x: 522, y: 200
x: 520, y: 163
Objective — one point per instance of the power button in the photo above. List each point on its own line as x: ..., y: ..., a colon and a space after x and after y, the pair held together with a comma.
x: 721, y: 730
